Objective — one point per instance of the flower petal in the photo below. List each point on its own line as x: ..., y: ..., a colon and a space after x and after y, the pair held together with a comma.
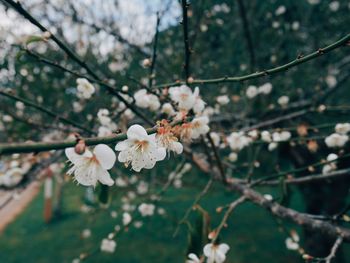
x: 136, y: 132
x: 104, y: 177
x: 121, y: 146
x: 105, y: 156
x: 74, y: 157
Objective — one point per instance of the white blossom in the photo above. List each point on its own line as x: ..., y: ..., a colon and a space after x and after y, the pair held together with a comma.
x: 283, y: 101
x: 266, y: 136
x: 126, y: 218
x: 90, y: 167
x: 237, y: 141
x: 193, y: 258
x: 291, y: 244
x: 265, y: 88
x: 199, y: 126
x: 336, y: 140
x: 223, y: 99
x: 233, y: 157
x: 168, y: 109
x: 140, y: 149
x: 272, y: 146
x: 251, y: 92
x: 281, y: 136
x: 143, y: 99
x: 166, y: 139
x: 84, y: 88
x: 146, y: 209
x: 215, y: 253
x: 108, y: 245
x: 342, y: 128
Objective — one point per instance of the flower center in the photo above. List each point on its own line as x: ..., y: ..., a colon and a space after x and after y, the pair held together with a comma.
x: 141, y: 146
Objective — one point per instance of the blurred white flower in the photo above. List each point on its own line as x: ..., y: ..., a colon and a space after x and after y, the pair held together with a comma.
x: 329, y: 167
x: 192, y: 258
x: 280, y: 10
x: 183, y: 96
x: 266, y: 136
x: 216, y: 138
x: 223, y: 99
x: 199, y: 126
x: 291, y: 244
x: 146, y: 100
x: 233, y: 157
x: 272, y: 146
x: 342, y: 128
x: 283, y: 101
x: 215, y: 253
x: 168, y: 109
x: 251, y: 92
x: 281, y: 136
x: 140, y: 149
x: 90, y: 167
x: 237, y: 141
x: 84, y: 88
x: 336, y: 140
x: 265, y: 88
x: 331, y: 81
x: 146, y: 209
x: 334, y: 6
x: 126, y: 218
x: 108, y: 245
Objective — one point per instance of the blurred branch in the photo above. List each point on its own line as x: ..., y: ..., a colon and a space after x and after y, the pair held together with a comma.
x: 186, y: 41
x: 299, y: 60
x: 247, y: 34
x: 154, y: 54
x: 45, y: 110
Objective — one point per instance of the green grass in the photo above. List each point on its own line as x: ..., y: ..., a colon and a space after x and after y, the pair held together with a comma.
x: 252, y: 234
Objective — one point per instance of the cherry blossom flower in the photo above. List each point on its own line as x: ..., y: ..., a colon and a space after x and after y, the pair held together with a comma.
x: 165, y: 138
x: 146, y: 100
x: 233, y: 157
x: 186, y: 99
x: 223, y: 99
x: 291, y: 244
x: 193, y: 258
x: 199, y: 126
x: 215, y: 253
x: 216, y: 138
x: 251, y: 92
x: 272, y: 146
x: 183, y: 96
x: 336, y: 140
x: 266, y: 136
x: 237, y: 141
x: 329, y: 167
x: 265, y: 88
x: 281, y: 136
x: 108, y: 245
x: 140, y: 149
x: 342, y: 128
x: 90, y: 167
x: 168, y: 109
x: 146, y: 209
x: 283, y: 101
x: 84, y: 88
x: 126, y: 218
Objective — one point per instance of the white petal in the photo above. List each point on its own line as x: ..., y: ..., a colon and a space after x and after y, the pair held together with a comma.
x: 74, y: 157
x: 105, y: 156
x: 104, y: 177
x: 219, y: 256
x: 124, y: 156
x: 224, y: 248
x: 207, y: 249
x: 177, y: 147
x: 121, y: 146
x: 160, y: 153
x: 136, y: 132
